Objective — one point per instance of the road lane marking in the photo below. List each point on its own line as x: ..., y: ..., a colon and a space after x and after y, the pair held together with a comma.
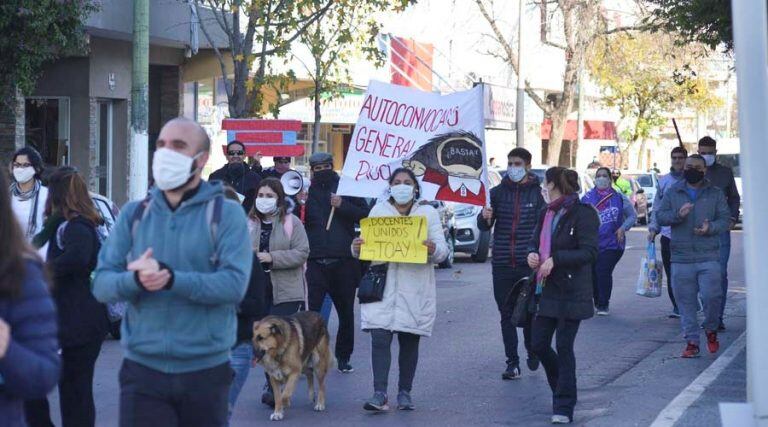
x: 677, y: 407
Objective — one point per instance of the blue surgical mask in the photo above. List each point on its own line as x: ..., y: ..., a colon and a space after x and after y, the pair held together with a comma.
x: 602, y: 182
x: 516, y: 173
x: 402, y: 193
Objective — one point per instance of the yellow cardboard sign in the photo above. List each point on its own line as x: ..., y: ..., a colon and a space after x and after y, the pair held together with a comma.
x: 394, y: 239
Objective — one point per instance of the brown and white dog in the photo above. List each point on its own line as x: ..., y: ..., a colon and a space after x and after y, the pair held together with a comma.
x: 290, y: 346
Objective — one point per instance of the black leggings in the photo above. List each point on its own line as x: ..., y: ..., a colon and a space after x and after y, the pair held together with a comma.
x: 75, y: 390
x: 666, y: 259
x: 559, y: 365
x: 381, y: 358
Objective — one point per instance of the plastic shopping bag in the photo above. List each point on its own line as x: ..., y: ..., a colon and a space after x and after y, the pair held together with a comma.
x: 649, y: 282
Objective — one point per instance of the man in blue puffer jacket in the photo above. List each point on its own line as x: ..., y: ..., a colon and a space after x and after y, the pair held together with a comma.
x: 182, y: 278
x: 515, y: 207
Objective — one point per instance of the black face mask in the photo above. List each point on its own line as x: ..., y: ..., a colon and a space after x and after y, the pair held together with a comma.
x: 693, y: 176
x: 236, y: 170
x: 324, y: 176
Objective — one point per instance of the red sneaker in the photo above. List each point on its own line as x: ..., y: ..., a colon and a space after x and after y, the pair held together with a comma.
x: 712, y: 343
x: 691, y: 351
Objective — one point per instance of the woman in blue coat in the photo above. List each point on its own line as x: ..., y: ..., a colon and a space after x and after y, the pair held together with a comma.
x: 29, y: 363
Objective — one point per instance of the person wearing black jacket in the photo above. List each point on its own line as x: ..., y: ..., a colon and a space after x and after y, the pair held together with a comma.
x: 722, y: 177
x: 83, y: 322
x: 331, y: 268
x: 238, y: 175
x: 562, y: 251
x: 514, y: 209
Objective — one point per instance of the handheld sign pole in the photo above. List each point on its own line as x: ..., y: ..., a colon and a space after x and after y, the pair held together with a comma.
x: 677, y: 131
x: 330, y: 218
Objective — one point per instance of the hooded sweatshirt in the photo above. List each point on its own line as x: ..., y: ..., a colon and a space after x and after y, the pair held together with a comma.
x: 192, y: 325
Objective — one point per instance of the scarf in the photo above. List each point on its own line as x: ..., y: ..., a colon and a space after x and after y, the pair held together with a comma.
x: 23, y: 196
x: 545, y: 238
x: 50, y: 226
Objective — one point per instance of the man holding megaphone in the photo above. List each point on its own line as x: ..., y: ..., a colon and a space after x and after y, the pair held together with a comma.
x: 330, y: 224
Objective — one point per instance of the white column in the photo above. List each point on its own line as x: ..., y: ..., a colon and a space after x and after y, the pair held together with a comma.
x: 751, y: 46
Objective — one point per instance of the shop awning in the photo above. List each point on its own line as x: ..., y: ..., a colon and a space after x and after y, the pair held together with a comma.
x: 593, y: 129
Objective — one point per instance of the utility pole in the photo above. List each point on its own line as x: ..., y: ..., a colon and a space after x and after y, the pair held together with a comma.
x: 138, y: 171
x: 750, y: 30
x: 519, y: 108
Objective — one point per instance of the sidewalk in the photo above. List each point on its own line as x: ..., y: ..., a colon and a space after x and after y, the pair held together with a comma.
x: 730, y: 386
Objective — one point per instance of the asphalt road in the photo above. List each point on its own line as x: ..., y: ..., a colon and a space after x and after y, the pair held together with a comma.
x: 627, y: 364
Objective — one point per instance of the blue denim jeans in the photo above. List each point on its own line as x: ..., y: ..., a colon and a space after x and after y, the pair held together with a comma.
x: 240, y: 360
x: 325, y: 310
x: 688, y: 281
x: 725, y: 254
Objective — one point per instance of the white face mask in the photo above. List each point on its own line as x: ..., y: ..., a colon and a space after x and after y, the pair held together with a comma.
x: 266, y: 205
x: 545, y: 194
x: 709, y: 158
x: 402, y: 193
x: 516, y: 173
x: 23, y: 175
x: 602, y: 182
x: 172, y: 169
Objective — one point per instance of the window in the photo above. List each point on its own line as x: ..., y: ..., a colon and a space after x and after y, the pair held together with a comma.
x: 46, y: 126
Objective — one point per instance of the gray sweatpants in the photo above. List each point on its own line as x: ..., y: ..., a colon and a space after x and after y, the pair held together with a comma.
x: 688, y: 281
x: 381, y: 358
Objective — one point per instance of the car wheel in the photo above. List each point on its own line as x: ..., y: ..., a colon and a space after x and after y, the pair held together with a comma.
x: 448, y: 262
x: 483, y: 246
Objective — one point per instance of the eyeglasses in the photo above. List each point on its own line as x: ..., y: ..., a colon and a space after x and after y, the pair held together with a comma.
x: 236, y: 153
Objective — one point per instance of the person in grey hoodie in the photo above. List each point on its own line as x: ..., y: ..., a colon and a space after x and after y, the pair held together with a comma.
x: 183, y: 276
x: 722, y: 177
x: 697, y: 213
x: 679, y: 154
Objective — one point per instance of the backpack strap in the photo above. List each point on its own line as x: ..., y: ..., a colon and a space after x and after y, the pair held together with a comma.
x: 213, y: 217
x: 139, y: 214
x: 288, y: 226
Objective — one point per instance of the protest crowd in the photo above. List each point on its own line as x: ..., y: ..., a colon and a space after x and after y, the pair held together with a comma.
x: 212, y: 279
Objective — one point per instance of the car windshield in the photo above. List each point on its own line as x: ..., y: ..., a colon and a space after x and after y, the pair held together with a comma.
x: 644, y: 180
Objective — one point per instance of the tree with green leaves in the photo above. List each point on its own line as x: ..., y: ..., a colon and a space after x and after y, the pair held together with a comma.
x: 347, y: 29
x: 703, y: 21
x: 647, y: 75
x: 257, y: 32
x: 35, y: 32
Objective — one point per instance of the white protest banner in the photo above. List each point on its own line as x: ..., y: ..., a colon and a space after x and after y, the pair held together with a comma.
x: 441, y: 138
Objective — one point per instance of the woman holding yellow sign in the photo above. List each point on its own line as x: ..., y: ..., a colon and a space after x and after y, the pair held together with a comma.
x: 408, y: 304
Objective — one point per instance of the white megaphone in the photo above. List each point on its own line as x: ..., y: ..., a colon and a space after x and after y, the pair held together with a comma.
x: 292, y: 182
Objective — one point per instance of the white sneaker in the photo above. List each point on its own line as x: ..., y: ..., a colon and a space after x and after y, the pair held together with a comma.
x: 605, y: 312
x: 560, y: 419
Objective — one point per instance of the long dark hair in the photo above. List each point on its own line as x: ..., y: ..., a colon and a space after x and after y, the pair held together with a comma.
x: 564, y: 179
x: 14, y: 248
x: 68, y: 196
x: 275, y: 185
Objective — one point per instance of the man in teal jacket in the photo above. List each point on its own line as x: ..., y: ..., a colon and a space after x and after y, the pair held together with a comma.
x: 182, y: 276
x: 697, y: 213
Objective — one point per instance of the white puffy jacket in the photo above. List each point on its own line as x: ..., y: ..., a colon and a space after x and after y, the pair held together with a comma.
x: 409, y: 303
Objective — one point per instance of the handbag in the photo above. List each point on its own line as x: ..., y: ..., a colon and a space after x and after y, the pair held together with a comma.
x: 520, y: 301
x: 372, y: 284
x: 651, y: 273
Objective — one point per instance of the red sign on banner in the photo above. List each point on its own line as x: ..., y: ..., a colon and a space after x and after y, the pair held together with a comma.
x: 265, y: 137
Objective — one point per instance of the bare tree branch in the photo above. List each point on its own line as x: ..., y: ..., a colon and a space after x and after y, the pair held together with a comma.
x: 218, y: 53
x: 511, y: 56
